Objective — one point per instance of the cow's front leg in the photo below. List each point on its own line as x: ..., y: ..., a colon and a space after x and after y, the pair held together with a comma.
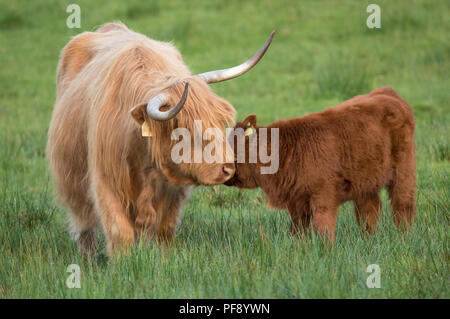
x: 146, y: 222
x: 116, y: 223
x: 171, y: 202
x: 151, y: 204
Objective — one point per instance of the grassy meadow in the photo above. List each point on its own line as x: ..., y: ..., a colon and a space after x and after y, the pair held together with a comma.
x: 229, y: 244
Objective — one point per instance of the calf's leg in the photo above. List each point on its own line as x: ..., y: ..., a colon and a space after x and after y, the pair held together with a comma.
x: 300, y: 216
x: 402, y: 190
x: 403, y: 206
x: 367, y: 211
x: 324, y: 208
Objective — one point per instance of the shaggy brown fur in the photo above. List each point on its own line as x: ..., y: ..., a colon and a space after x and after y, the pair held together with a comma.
x: 105, y: 171
x: 347, y: 152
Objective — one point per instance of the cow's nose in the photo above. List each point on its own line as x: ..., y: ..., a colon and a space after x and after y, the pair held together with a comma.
x: 228, y: 171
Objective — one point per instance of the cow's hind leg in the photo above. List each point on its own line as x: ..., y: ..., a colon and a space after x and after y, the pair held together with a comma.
x: 367, y: 211
x: 83, y: 225
x: 81, y: 212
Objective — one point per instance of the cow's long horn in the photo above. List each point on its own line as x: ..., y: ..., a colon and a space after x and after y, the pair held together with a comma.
x: 227, y: 74
x: 162, y: 99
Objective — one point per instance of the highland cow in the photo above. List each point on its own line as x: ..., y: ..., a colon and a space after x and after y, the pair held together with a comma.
x: 120, y: 95
x: 347, y: 152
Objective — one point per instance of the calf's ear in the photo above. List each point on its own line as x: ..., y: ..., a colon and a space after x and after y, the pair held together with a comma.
x: 138, y: 113
x: 250, y: 121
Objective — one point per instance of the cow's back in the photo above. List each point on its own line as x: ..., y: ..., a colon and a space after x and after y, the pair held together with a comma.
x: 103, y: 45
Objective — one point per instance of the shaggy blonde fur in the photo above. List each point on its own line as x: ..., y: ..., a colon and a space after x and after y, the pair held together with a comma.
x: 104, y: 170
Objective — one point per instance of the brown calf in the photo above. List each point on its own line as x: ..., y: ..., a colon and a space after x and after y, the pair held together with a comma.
x: 347, y: 152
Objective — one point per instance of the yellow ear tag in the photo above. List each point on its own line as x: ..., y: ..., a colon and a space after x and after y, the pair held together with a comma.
x: 248, y: 131
x: 146, y: 130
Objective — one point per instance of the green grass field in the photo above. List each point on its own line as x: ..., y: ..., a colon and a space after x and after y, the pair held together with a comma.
x: 229, y: 244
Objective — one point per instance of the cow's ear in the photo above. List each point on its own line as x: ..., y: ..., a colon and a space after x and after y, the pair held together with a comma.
x: 138, y: 113
x: 250, y: 121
